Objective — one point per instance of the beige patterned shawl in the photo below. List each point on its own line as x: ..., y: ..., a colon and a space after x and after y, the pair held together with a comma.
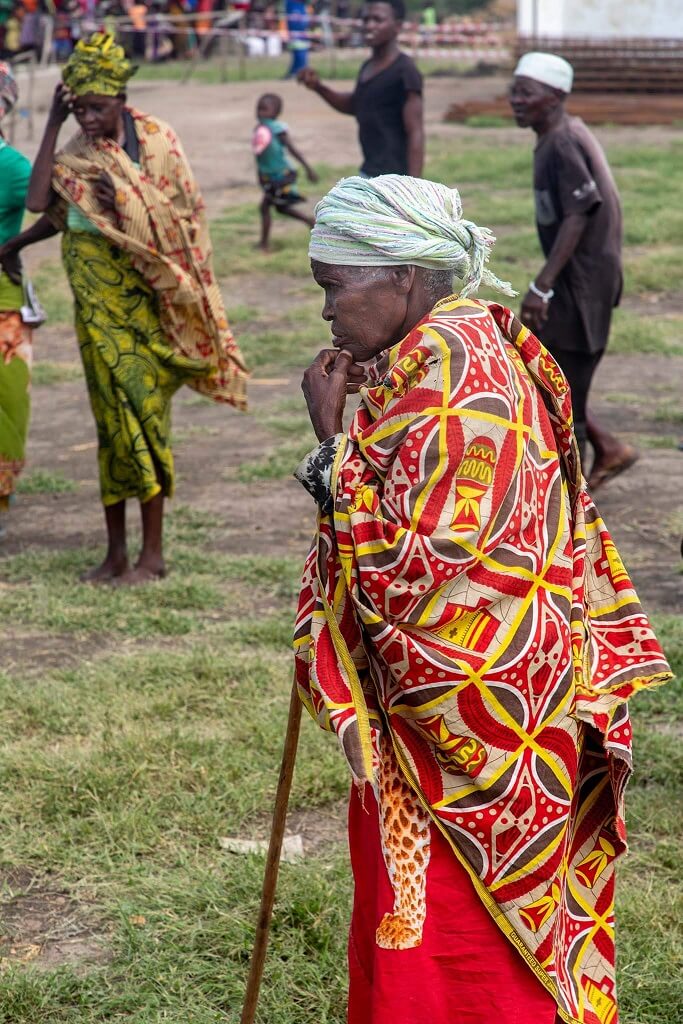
x: 160, y: 220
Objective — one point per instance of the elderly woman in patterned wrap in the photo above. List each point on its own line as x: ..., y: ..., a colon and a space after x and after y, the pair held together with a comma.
x: 149, y: 314
x: 465, y: 627
x: 15, y: 336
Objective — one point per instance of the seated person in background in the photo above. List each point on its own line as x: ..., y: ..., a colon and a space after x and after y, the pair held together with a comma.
x: 277, y: 177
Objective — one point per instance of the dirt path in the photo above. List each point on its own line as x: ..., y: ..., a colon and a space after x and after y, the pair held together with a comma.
x: 45, y: 924
x: 642, y: 508
x: 215, y: 122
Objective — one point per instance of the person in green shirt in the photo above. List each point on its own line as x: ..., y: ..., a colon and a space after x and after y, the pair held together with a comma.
x: 15, y: 336
x: 6, y: 11
x: 429, y: 18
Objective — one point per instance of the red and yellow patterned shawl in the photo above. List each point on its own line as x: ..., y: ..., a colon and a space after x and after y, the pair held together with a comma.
x: 466, y: 597
x: 161, y: 221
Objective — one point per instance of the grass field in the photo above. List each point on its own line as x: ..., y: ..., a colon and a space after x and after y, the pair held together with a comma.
x: 232, y: 68
x: 138, y: 728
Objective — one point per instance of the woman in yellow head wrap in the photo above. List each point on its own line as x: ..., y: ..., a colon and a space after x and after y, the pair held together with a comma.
x: 149, y: 314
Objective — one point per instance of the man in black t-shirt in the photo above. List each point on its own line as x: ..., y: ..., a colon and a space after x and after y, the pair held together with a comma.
x: 387, y: 99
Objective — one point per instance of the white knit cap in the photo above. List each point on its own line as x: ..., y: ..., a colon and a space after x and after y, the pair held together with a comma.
x: 547, y: 68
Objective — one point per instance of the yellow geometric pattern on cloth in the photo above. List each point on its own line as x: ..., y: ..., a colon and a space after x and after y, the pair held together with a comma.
x: 160, y: 221
x: 597, y: 861
x: 466, y: 628
x: 541, y: 910
x: 484, y: 621
x: 130, y: 369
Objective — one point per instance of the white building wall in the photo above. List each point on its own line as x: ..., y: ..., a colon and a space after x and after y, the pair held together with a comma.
x: 602, y: 19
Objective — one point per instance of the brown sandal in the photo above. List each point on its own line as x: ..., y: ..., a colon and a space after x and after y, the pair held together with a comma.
x: 603, y: 476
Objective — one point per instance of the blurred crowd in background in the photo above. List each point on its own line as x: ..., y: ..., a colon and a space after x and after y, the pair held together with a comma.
x: 159, y: 30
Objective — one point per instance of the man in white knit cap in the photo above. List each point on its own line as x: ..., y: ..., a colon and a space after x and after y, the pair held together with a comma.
x: 578, y: 217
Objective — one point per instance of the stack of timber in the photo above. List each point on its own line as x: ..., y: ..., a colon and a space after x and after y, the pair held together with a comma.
x: 617, y: 65
x: 593, y: 108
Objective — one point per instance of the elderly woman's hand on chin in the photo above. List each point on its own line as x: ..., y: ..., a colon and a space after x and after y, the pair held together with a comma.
x: 327, y: 381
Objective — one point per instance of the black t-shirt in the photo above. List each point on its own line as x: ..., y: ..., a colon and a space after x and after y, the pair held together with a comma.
x: 571, y: 175
x: 378, y: 107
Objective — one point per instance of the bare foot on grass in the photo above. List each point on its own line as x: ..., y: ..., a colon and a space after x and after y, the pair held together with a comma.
x: 110, y: 569
x: 139, y: 574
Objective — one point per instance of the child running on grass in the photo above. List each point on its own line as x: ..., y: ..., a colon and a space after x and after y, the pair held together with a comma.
x: 270, y: 143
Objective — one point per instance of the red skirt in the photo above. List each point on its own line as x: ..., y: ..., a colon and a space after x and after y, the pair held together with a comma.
x: 465, y: 971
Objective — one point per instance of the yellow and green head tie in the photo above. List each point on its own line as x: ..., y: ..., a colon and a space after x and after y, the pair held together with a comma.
x: 98, y: 65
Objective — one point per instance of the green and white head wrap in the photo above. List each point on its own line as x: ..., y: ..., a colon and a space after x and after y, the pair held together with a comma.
x: 395, y: 220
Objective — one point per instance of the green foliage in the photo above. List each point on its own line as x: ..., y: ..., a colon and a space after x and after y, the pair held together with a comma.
x: 278, y: 464
x: 41, y: 481
x: 669, y: 412
x: 45, y: 374
x: 487, y: 121
x: 477, y: 159
x: 633, y: 333
x: 658, y: 441
x: 341, y: 67
x: 122, y: 772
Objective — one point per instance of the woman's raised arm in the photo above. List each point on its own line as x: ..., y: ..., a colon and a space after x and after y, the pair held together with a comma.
x: 40, y: 193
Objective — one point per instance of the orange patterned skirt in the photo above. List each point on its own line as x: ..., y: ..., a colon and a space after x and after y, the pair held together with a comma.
x: 15, y: 407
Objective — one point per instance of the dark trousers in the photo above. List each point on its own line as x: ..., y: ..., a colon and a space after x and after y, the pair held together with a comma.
x: 578, y: 368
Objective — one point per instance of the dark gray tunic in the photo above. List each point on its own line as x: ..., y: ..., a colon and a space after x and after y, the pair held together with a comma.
x: 571, y: 175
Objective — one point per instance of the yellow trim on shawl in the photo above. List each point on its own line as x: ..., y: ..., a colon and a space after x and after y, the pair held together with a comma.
x: 368, y: 528
x: 359, y: 703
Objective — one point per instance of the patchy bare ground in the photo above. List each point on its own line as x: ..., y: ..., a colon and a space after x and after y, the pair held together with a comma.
x: 318, y: 831
x: 642, y: 508
x: 45, y: 925
x: 42, y: 925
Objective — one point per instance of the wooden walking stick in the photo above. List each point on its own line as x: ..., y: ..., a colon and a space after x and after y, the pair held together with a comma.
x: 277, y: 832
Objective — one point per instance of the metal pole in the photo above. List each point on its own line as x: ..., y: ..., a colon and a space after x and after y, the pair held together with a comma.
x: 241, y: 50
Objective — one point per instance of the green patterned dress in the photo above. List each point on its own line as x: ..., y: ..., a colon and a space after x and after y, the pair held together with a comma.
x: 130, y: 369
